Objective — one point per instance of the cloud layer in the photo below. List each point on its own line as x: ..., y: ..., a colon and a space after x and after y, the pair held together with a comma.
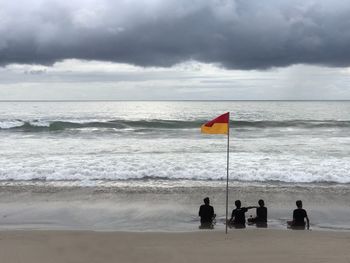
x: 237, y: 34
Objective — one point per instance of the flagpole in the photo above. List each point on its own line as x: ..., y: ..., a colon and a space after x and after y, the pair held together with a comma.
x: 227, y: 168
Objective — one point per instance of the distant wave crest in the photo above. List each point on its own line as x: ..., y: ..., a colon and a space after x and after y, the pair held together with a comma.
x: 59, y: 125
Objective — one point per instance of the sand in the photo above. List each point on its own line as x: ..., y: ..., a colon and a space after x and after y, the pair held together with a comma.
x: 207, y: 246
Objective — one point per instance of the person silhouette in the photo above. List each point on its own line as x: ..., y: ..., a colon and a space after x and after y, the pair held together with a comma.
x: 206, y: 213
x: 299, y: 216
x: 261, y: 215
x: 238, y: 215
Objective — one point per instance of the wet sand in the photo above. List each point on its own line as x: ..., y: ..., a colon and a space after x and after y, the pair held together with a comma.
x: 161, y: 206
x: 207, y: 246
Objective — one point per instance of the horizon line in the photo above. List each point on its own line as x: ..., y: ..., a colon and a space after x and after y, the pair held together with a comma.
x: 179, y: 100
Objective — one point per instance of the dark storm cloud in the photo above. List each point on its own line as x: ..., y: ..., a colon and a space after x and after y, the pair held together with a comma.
x: 244, y: 34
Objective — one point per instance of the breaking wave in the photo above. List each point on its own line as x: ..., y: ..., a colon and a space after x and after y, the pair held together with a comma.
x: 253, y: 167
x: 61, y: 125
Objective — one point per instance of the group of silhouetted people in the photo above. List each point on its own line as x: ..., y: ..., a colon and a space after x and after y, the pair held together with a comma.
x: 238, y: 220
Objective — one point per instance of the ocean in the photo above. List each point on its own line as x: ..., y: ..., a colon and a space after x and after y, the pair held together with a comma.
x: 144, y: 165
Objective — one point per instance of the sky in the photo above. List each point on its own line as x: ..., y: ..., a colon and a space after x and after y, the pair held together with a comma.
x: 174, y: 49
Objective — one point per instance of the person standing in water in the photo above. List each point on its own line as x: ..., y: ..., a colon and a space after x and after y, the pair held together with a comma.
x: 299, y: 216
x: 206, y: 213
x: 238, y: 215
x: 261, y: 215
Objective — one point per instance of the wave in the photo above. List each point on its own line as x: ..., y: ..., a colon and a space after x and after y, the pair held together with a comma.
x: 198, y: 167
x: 32, y: 126
x: 47, y: 179
x: 60, y: 125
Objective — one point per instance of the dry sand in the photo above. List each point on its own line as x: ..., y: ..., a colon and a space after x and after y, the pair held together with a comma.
x: 207, y: 246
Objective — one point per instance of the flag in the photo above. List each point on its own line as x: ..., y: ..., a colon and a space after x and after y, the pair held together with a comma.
x: 219, y: 125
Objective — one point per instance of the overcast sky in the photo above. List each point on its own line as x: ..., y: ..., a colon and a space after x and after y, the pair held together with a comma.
x: 174, y: 49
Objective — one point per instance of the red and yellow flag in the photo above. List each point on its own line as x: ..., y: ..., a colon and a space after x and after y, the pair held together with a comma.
x: 219, y: 125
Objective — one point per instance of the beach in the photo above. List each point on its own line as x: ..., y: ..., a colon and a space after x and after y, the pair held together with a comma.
x: 207, y: 246
x: 174, y: 131
x: 144, y: 223
x: 161, y: 206
x: 123, y: 181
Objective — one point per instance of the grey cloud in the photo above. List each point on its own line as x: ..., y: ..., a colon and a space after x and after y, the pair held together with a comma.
x: 35, y: 72
x: 244, y: 34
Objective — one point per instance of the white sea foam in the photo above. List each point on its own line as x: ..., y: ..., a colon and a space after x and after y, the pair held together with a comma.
x: 92, y: 141
x: 189, y: 166
x: 8, y: 124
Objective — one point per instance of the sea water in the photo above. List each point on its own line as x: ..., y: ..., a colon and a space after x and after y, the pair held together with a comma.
x: 133, y: 153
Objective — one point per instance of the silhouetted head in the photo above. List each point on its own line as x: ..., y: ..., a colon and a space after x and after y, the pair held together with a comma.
x: 299, y: 204
x: 206, y: 200
x: 261, y: 203
x: 238, y: 203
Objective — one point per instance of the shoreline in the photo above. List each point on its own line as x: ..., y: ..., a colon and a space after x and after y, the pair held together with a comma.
x: 160, y: 207
x: 37, y: 226
x: 152, y: 247
x: 230, y: 231
x: 188, y: 231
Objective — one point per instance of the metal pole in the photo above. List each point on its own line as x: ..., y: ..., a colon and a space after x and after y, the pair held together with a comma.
x: 228, y: 158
